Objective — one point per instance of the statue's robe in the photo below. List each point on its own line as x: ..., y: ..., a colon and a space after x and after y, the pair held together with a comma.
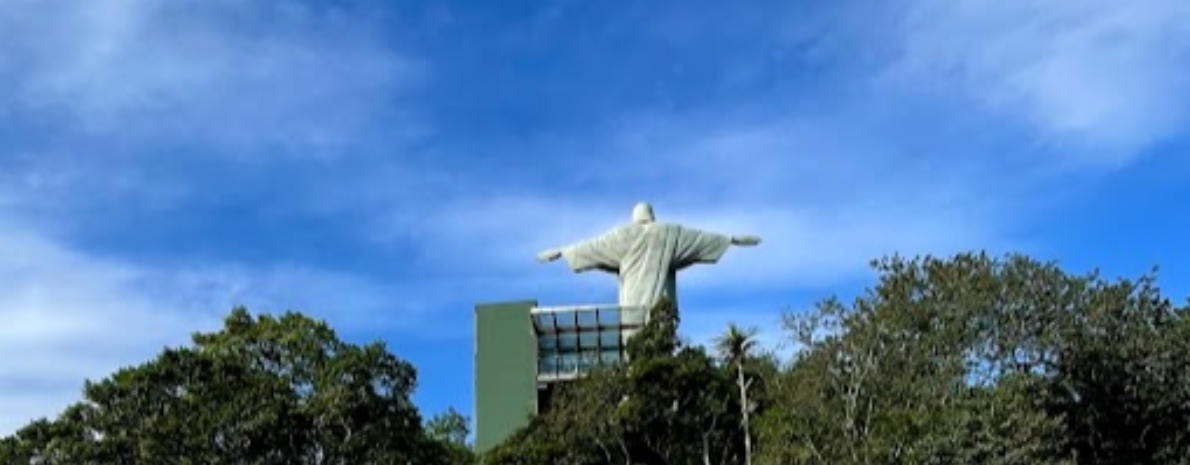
x: 646, y: 257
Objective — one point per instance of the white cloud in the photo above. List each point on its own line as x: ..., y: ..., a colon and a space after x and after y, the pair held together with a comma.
x: 69, y: 315
x: 349, y: 302
x: 223, y: 74
x: 1104, y: 78
x: 472, y: 227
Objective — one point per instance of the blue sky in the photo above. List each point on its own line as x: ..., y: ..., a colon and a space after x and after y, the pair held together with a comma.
x: 387, y: 165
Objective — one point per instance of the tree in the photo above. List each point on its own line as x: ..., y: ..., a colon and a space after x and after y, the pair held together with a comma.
x: 735, y: 346
x: 449, y: 429
x: 980, y: 360
x: 263, y: 390
x: 50, y: 443
x: 580, y: 428
x: 1122, y: 367
x: 355, y: 400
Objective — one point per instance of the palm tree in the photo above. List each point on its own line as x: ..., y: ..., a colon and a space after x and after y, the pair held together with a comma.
x: 735, y: 346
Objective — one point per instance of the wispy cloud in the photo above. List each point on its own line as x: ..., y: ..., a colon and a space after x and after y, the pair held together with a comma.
x: 70, y: 315
x: 217, y: 76
x: 1104, y: 79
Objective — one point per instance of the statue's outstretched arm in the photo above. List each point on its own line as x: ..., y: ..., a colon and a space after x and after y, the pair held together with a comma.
x: 746, y: 241
x: 549, y: 255
x: 601, y: 252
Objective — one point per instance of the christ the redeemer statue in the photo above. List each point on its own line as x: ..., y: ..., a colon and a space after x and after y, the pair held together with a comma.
x: 646, y: 255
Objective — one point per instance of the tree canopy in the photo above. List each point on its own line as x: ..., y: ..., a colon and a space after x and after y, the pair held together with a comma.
x: 263, y: 390
x: 983, y: 360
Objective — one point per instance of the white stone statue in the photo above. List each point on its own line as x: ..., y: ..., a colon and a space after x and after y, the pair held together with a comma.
x: 646, y: 255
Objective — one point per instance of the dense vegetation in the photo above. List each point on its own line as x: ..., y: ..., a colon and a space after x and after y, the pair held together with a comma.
x: 968, y: 360
x: 261, y: 391
x: 971, y: 360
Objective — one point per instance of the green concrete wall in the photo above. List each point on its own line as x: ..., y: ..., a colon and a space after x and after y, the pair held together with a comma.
x: 505, y: 371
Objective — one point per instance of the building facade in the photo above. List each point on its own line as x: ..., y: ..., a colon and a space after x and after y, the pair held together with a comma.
x: 523, y: 352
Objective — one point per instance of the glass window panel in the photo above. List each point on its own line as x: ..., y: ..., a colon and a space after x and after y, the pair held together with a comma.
x: 565, y: 321
x: 544, y: 321
x: 542, y: 353
x: 586, y: 319
x: 548, y: 365
x: 587, y: 361
x: 609, y: 338
x: 547, y: 342
x: 609, y: 316
x: 588, y: 340
x: 568, y: 363
x: 609, y: 356
x: 568, y: 342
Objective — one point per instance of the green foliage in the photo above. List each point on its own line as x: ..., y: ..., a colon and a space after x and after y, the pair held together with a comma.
x: 978, y: 360
x: 1121, y: 377
x: 658, y: 340
x: 261, y: 391
x: 449, y: 427
x: 450, y: 430
x: 580, y: 428
x: 50, y: 443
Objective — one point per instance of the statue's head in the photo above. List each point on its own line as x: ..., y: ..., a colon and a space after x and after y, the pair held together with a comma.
x: 642, y: 213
